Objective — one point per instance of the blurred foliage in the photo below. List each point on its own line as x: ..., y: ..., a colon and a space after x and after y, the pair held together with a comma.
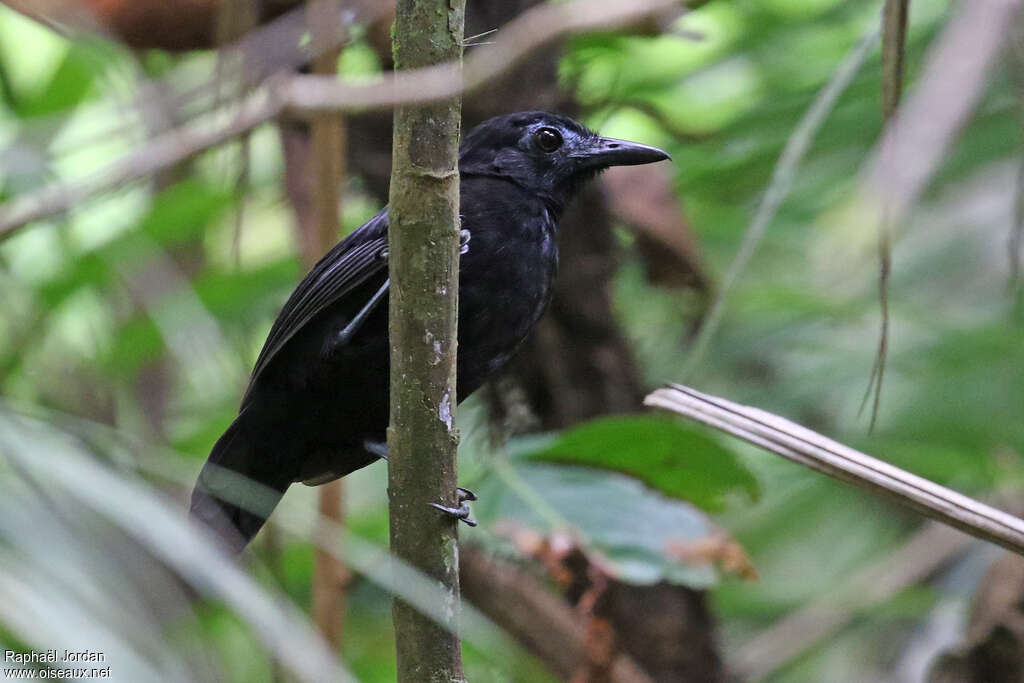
x: 150, y: 291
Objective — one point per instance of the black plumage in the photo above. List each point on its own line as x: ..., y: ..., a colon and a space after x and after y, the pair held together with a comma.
x: 318, y: 396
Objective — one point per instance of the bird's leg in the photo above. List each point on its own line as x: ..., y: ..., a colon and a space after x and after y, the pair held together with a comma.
x: 462, y: 513
x: 336, y: 342
x: 378, y: 448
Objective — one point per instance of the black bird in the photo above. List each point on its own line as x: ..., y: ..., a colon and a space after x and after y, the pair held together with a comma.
x: 316, y: 407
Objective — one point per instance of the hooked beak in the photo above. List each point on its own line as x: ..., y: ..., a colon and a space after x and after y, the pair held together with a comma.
x: 605, y: 152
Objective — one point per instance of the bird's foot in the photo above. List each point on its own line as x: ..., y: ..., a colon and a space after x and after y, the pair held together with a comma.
x: 462, y: 513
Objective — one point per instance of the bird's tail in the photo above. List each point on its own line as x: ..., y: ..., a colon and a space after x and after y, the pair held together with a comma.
x: 232, y: 496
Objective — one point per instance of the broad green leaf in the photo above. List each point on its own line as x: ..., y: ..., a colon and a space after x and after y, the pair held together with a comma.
x: 631, y: 529
x: 670, y: 457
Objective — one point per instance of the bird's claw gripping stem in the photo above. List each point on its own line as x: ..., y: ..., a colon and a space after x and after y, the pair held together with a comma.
x: 462, y: 513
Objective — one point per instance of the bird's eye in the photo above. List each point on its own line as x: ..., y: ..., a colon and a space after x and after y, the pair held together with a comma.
x: 547, y: 140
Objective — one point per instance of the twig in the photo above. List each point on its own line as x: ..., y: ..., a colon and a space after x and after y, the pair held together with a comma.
x: 533, y: 29
x: 162, y: 151
x: 894, y: 47
x: 919, y: 134
x: 808, y: 448
x: 271, y: 49
x: 331, y: 577
x: 894, y: 40
x: 874, y: 388
x: 326, y: 93
x: 949, y: 89
x: 781, y: 183
x: 59, y: 15
x: 1015, y: 243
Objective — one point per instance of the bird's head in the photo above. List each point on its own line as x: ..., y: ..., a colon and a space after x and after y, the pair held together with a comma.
x: 546, y: 153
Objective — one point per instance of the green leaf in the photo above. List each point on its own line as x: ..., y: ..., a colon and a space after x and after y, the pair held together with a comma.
x: 183, y: 211
x: 177, y: 214
x: 69, y: 85
x: 87, y: 270
x: 137, y: 342
x: 631, y: 529
x: 237, y: 294
x: 663, y: 453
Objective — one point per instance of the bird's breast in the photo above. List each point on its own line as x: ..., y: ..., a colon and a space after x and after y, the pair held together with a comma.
x: 505, y: 283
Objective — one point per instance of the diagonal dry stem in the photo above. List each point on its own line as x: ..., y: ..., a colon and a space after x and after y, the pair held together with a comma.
x: 808, y: 448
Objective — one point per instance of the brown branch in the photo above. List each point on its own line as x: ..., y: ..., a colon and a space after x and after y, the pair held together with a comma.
x: 544, y: 623
x: 810, y: 449
x: 143, y: 24
x: 271, y: 51
x: 949, y: 89
x: 161, y: 152
x: 530, y: 31
x: 61, y: 16
x: 894, y: 48
x: 331, y: 577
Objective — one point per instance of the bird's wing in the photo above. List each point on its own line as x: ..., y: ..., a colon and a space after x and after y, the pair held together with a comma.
x: 346, y: 266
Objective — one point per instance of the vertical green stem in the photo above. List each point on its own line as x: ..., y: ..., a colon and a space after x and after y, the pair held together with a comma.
x: 423, y: 261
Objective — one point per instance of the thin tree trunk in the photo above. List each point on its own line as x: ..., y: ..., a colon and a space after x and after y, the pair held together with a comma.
x: 424, y: 261
x: 578, y: 333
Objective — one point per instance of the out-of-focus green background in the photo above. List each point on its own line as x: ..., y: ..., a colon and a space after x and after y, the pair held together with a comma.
x: 154, y: 299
